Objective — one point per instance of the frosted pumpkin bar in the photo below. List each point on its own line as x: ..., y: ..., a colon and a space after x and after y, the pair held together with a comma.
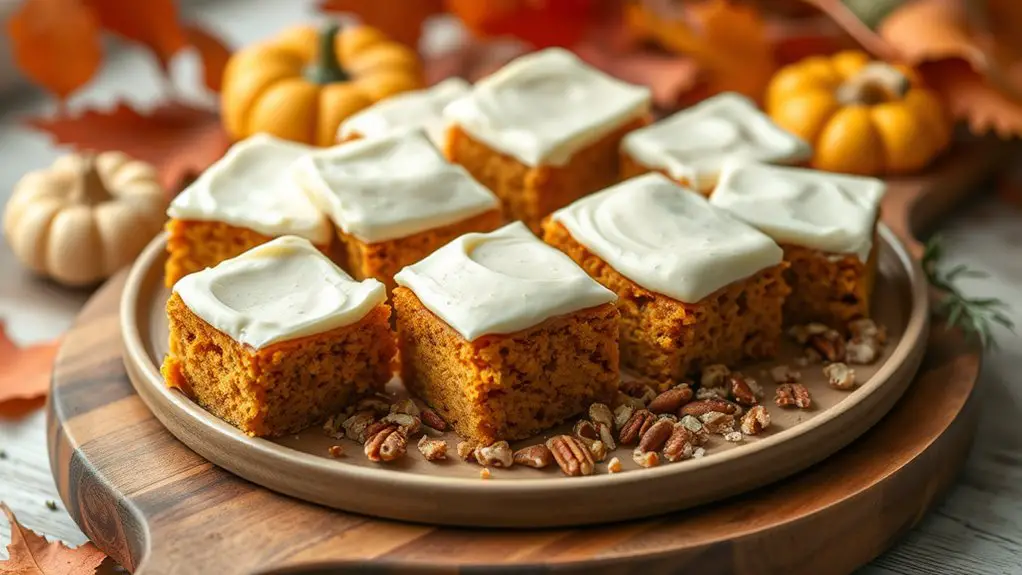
x: 826, y: 224
x: 505, y: 336
x: 278, y: 338
x: 544, y: 131
x: 243, y: 200
x: 692, y: 145
x: 695, y: 285
x: 393, y: 200
x: 416, y: 109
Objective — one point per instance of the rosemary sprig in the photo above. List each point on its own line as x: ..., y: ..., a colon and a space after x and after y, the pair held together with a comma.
x: 974, y: 316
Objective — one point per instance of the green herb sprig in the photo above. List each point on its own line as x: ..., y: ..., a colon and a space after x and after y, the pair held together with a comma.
x: 974, y: 316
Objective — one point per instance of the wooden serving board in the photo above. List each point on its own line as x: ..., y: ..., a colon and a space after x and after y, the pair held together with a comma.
x: 157, y: 507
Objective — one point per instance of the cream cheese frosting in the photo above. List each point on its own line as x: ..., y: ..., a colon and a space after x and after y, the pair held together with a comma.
x: 500, y: 282
x: 692, y: 145
x: 279, y: 291
x: 417, y: 109
x: 834, y: 213
x: 379, y: 189
x: 668, y: 239
x: 250, y: 188
x: 543, y: 107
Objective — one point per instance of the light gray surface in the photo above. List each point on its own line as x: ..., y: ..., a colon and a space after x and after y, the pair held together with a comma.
x: 977, y: 530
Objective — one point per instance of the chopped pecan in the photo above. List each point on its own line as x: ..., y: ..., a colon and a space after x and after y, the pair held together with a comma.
x: 702, y: 406
x: 585, y: 429
x: 573, y: 457
x: 755, y: 420
x: 699, y: 453
x: 598, y: 449
x: 714, y: 376
x: 681, y: 444
x: 829, y: 344
x: 467, y: 450
x: 496, y: 455
x: 733, y: 436
x: 373, y: 403
x: 355, y: 427
x: 784, y: 374
x: 332, y: 426
x: 409, y: 424
x: 623, y: 399
x: 433, y: 420
x: 432, y: 449
x: 793, y: 394
x: 622, y: 414
x: 840, y: 376
x: 387, y: 443
x: 614, y: 465
x: 741, y: 391
x: 407, y: 407
x: 645, y: 458
x: 697, y: 428
x: 600, y: 413
x: 868, y: 329
x: 590, y: 434
x: 636, y: 426
x: 671, y: 400
x: 656, y: 436
x: 717, y: 422
x: 537, y: 456
x: 862, y: 351
x: 606, y: 435
x: 802, y: 333
x: 638, y: 390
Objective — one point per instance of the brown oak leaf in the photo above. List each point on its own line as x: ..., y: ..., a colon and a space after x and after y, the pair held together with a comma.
x: 400, y: 19
x: 55, y: 44
x: 179, y: 140
x: 152, y: 23
x: 31, y: 554
x: 24, y: 374
x: 971, y: 97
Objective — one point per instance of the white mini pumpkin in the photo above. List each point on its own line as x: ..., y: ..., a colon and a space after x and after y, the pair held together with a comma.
x: 84, y: 217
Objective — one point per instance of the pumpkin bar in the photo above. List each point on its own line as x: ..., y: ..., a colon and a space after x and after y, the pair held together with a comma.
x: 505, y: 336
x: 418, y: 109
x: 245, y: 199
x: 826, y: 224
x: 695, y: 285
x: 278, y: 338
x: 692, y: 145
x: 544, y: 131
x: 393, y: 200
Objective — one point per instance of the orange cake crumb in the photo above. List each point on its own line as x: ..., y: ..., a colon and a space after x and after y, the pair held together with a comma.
x: 282, y: 388
x: 507, y: 387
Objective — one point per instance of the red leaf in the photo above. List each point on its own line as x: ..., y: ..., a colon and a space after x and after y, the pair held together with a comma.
x: 181, y: 141
x: 541, y: 23
x: 401, y: 20
x: 152, y: 23
x: 31, y: 554
x: 24, y: 374
x: 214, y: 55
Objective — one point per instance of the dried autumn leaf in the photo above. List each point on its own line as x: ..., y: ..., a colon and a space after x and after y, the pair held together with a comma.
x: 24, y: 371
x: 540, y: 23
x: 212, y: 51
x: 400, y: 19
x: 972, y: 98
x: 179, y: 140
x: 31, y: 554
x: 152, y: 23
x: 55, y: 43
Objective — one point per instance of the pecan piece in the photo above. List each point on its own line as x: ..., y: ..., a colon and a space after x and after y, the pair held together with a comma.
x: 467, y: 450
x: 638, y: 390
x: 636, y: 426
x: 373, y: 403
x: 598, y: 449
x: 681, y: 444
x: 433, y: 420
x: 432, y: 449
x: 355, y: 427
x: 714, y: 376
x: 755, y: 420
x: 622, y: 414
x: 387, y: 443
x: 784, y: 374
x: 717, y: 422
x: 793, y: 394
x: 868, y: 329
x: 862, y: 351
x: 606, y: 435
x: 703, y: 406
x: 829, y: 344
x: 671, y: 400
x: 646, y: 458
x: 840, y: 376
x: 741, y: 391
x: 409, y: 424
x: 656, y: 436
x: 584, y: 429
x: 407, y: 407
x: 495, y: 455
x: 802, y: 333
x: 537, y: 456
x: 573, y: 457
x: 692, y: 423
x: 599, y: 413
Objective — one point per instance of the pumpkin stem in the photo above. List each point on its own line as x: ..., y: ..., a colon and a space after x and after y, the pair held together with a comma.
x: 326, y: 68
x: 88, y: 188
x: 877, y: 82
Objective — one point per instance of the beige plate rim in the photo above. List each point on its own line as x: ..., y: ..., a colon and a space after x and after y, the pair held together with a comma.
x: 148, y: 382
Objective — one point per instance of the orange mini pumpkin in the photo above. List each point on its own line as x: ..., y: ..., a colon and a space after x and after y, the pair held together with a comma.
x: 302, y: 84
x: 862, y: 117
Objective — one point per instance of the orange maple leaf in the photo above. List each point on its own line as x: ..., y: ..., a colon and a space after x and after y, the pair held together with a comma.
x: 24, y: 373
x: 969, y: 96
x: 400, y: 19
x: 179, y: 140
x: 212, y: 51
x: 152, y: 23
x: 31, y: 554
x: 56, y: 44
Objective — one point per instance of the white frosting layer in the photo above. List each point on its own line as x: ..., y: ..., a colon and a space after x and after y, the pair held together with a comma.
x: 417, y: 109
x: 668, y: 239
x: 545, y: 106
x: 391, y: 187
x: 250, y: 187
x: 693, y: 144
x: 834, y: 213
x: 501, y: 282
x: 279, y: 291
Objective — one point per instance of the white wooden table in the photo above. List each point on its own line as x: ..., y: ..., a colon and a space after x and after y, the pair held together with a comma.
x: 976, y: 531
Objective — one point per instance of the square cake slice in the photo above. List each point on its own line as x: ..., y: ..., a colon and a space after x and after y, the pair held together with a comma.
x: 393, y: 200
x: 826, y: 224
x: 278, y: 338
x: 695, y: 285
x: 544, y: 131
x: 692, y: 145
x: 504, y: 336
x: 245, y: 199
x: 416, y: 109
